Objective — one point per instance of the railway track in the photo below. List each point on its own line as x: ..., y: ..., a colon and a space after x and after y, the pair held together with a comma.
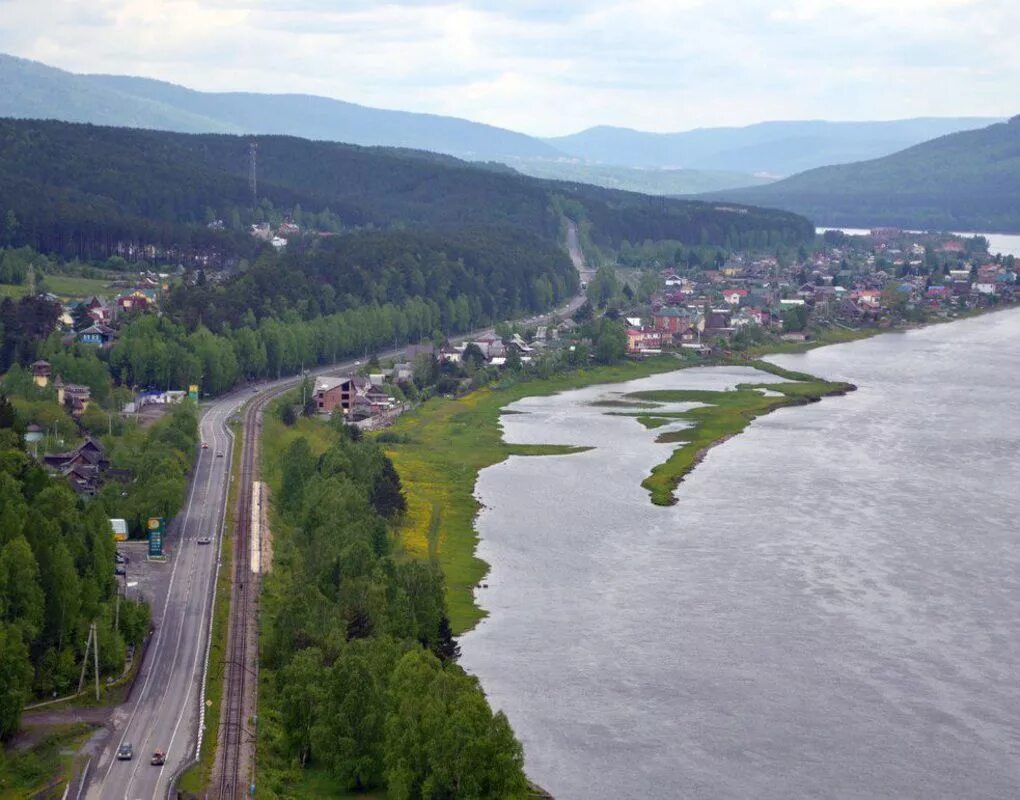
x: 236, y: 738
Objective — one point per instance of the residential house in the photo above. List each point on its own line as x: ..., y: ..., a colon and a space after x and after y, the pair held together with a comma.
x: 670, y: 320
x: 75, y: 396
x: 82, y: 468
x: 41, y: 373
x: 100, y: 311
x: 97, y: 334
x: 642, y: 339
x: 353, y: 395
x: 452, y: 354
x: 402, y: 372
x: 733, y: 297
x: 137, y: 300
x: 491, y: 346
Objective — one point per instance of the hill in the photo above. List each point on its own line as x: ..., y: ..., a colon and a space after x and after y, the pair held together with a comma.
x: 771, y: 148
x: 36, y: 91
x: 965, y: 181
x: 80, y: 190
x: 669, y: 182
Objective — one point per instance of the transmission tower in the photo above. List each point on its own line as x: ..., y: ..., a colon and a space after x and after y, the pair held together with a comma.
x: 253, y: 173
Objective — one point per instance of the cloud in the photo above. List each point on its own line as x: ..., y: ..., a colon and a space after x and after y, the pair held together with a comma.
x: 552, y: 68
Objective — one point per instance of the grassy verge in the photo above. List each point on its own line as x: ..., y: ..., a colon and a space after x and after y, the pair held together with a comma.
x: 44, y: 768
x: 444, y: 445
x: 197, y: 777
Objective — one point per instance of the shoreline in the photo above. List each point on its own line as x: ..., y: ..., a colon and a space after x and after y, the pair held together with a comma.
x: 446, y: 443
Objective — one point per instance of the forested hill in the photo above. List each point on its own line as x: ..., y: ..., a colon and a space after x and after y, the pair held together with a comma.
x: 80, y: 189
x: 964, y: 181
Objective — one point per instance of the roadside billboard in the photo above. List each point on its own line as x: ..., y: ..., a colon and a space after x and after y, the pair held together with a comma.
x: 193, y: 392
x: 119, y: 528
x: 156, y: 525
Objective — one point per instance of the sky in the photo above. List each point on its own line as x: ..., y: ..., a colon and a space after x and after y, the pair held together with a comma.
x: 552, y: 67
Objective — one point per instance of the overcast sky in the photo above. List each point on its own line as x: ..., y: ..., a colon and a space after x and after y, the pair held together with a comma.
x: 556, y: 66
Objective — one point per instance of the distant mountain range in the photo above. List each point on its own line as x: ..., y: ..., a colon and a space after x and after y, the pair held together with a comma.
x: 964, y: 181
x: 671, y: 164
x: 771, y: 148
x: 36, y: 91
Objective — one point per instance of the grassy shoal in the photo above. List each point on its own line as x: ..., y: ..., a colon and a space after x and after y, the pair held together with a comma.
x: 442, y: 447
x: 719, y: 416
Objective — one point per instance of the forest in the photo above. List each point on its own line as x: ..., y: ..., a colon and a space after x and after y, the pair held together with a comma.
x: 359, y: 662
x: 83, y: 191
x: 56, y: 578
x: 474, y: 276
x: 964, y: 181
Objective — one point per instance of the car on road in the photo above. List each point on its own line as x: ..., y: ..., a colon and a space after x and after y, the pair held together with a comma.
x: 205, y: 445
x: 158, y: 758
x: 119, y: 570
x: 219, y: 455
x: 204, y: 540
x: 125, y: 752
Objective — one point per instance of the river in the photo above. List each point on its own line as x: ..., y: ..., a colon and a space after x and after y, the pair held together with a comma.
x: 831, y: 610
x: 1006, y: 243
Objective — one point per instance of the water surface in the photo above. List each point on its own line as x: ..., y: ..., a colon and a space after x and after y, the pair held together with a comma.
x: 831, y: 610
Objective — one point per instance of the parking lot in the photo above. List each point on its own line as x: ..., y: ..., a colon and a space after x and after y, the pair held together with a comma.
x: 144, y: 579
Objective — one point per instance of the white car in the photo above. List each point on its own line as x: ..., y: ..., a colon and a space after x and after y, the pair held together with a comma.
x: 204, y: 540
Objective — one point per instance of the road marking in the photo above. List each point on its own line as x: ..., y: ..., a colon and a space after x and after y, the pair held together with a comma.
x: 156, y: 646
x: 205, y: 616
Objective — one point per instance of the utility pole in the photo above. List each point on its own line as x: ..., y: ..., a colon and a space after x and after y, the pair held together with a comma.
x: 253, y: 173
x: 93, y: 644
x: 95, y: 656
x: 85, y: 659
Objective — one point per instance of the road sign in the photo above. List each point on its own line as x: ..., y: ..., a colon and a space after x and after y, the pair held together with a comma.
x: 193, y: 392
x: 156, y: 537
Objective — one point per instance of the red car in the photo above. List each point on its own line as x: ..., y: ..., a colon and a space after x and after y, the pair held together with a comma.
x: 205, y: 445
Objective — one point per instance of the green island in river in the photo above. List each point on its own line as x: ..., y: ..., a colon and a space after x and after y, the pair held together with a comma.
x: 439, y: 449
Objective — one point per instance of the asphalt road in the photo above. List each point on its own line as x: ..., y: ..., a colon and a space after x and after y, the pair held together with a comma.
x: 162, y: 713
x: 163, y: 710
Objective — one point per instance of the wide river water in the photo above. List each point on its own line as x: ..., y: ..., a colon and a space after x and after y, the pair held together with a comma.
x: 1006, y: 243
x: 831, y: 610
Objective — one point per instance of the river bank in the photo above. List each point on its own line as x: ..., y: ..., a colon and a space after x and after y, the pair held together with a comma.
x: 825, y: 612
x: 438, y: 451
x: 440, y: 448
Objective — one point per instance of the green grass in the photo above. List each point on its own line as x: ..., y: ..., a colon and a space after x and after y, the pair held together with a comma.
x: 69, y: 286
x: 198, y: 776
x: 44, y: 768
x: 448, y: 442
x: 13, y: 290
x: 64, y: 286
x: 721, y: 415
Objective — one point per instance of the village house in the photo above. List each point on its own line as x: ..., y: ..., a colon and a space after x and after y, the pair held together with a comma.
x: 452, y: 354
x: 41, y: 373
x: 137, y: 300
x: 353, y: 395
x: 82, y: 467
x: 643, y: 339
x: 75, y: 396
x: 97, y: 334
x: 733, y: 297
x: 491, y: 346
